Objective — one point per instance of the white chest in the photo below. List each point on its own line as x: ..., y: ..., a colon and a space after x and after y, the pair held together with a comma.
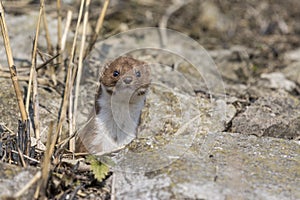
x: 117, y: 120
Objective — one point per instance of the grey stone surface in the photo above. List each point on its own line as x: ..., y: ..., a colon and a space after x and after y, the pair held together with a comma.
x: 221, y: 166
x: 21, y: 31
x: 13, y: 179
x: 293, y: 55
x: 274, y: 115
x: 277, y: 80
x: 8, y: 105
x: 233, y: 63
x: 292, y: 72
x: 49, y: 103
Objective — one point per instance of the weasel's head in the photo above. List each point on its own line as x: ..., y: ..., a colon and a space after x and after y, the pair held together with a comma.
x: 126, y: 75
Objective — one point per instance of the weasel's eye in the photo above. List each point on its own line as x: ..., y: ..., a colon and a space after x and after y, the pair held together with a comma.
x: 138, y: 74
x: 116, y: 73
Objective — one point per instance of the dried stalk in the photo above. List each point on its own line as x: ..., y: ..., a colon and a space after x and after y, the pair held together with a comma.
x: 79, y: 71
x: 67, y: 27
x: 49, y: 46
x: 33, y: 76
x: 12, y: 68
x: 27, y: 157
x: 69, y: 76
x: 9, y: 130
x: 59, y: 32
x: 36, y: 109
x: 51, y: 141
x: 23, y: 136
x: 71, y: 118
x: 98, y: 28
x: 47, y: 62
x: 113, y: 187
x: 21, y: 156
x: 63, y: 143
x: 48, y: 38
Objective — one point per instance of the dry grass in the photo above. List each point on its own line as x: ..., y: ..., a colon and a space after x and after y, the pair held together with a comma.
x: 11, y: 65
x: 56, y: 146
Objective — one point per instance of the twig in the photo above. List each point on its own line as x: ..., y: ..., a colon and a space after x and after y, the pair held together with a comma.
x: 27, y: 157
x: 24, y: 78
x: 9, y: 130
x: 12, y: 68
x: 62, y: 144
x: 19, y: 70
x: 98, y: 28
x: 36, y: 177
x: 64, y: 37
x: 41, y: 54
x: 81, y: 154
x: 70, y: 66
x: 75, y: 192
x: 47, y: 62
x: 79, y: 71
x: 21, y: 158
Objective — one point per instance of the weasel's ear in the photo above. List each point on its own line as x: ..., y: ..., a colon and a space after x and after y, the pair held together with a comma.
x: 102, y: 70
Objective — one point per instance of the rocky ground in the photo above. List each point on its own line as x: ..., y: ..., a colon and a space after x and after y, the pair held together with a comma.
x: 221, y: 121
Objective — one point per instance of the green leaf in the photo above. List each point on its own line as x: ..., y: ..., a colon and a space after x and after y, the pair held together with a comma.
x: 100, y: 170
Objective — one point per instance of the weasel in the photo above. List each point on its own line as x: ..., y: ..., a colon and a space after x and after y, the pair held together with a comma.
x: 120, y: 98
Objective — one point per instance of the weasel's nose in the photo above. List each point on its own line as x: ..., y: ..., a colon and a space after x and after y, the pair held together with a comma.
x: 127, y: 79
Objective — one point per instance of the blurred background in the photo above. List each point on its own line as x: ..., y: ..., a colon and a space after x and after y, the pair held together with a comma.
x: 268, y: 28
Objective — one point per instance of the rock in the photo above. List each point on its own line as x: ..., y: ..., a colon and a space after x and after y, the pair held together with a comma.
x: 278, y: 81
x: 169, y: 125
x: 9, y: 109
x: 49, y: 103
x: 21, y: 28
x: 49, y: 106
x: 219, y: 166
x: 292, y: 72
x: 293, y: 55
x: 211, y: 18
x: 273, y: 115
x: 233, y: 63
x: 13, y: 179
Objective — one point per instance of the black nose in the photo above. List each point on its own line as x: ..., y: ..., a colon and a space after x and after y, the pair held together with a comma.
x: 127, y: 79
